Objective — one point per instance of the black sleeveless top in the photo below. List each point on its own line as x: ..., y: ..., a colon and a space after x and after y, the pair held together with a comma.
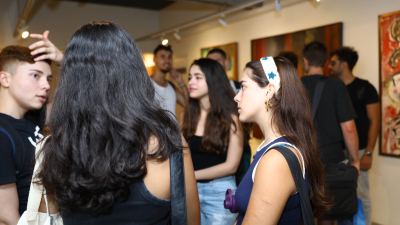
x: 141, y: 208
x: 202, y: 160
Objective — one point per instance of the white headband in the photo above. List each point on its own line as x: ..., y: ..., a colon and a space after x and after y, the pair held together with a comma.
x: 271, y: 72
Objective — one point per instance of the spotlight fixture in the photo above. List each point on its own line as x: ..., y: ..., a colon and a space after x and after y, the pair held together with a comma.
x: 222, y: 21
x: 25, y: 34
x: 164, y: 42
x: 23, y: 31
x: 278, y: 6
x: 177, y: 36
x: 317, y: 0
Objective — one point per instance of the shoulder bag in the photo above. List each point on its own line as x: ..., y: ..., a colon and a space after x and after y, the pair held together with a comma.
x: 32, y: 216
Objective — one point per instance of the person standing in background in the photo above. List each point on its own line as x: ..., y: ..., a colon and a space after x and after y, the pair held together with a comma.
x: 291, y: 56
x: 167, y: 94
x: 365, y: 100
x: 219, y: 55
x: 334, y: 117
x: 215, y: 136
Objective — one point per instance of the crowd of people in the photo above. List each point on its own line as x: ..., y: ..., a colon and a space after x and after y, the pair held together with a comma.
x: 113, y: 129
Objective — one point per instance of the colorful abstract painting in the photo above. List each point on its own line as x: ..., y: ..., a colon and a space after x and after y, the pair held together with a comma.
x: 330, y: 35
x: 389, y: 69
x: 231, y: 55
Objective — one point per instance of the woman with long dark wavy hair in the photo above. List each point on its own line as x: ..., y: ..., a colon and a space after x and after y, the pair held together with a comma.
x: 216, y: 138
x: 273, y: 96
x: 107, y: 158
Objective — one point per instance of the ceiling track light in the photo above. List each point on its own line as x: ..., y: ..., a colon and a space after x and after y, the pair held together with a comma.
x: 163, y: 40
x: 25, y: 34
x: 177, y: 36
x: 23, y: 31
x: 278, y: 6
x: 222, y: 21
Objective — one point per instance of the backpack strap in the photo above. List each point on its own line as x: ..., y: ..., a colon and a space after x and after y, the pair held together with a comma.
x: 178, y: 191
x: 18, y: 145
x: 317, y: 94
x: 294, y: 166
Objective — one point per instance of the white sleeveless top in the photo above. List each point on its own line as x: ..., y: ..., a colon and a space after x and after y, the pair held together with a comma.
x: 166, y: 96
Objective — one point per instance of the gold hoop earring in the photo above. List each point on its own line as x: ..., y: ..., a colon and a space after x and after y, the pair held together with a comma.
x: 268, y: 104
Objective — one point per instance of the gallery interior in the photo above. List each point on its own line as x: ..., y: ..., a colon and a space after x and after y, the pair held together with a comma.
x: 193, y: 26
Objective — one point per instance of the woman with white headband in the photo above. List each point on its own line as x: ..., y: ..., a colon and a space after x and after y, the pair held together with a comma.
x: 273, y: 96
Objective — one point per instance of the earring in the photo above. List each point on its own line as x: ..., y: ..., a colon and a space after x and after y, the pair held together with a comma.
x: 268, y: 104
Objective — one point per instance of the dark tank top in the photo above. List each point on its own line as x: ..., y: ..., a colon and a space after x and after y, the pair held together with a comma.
x: 202, y: 160
x: 141, y: 208
x: 291, y: 214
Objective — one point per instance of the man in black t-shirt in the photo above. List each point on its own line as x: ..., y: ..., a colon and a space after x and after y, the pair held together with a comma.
x: 24, y: 86
x: 25, y: 74
x: 334, y: 118
x: 365, y: 100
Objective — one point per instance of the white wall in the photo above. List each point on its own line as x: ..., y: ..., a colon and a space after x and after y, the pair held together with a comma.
x: 63, y: 18
x: 360, y: 19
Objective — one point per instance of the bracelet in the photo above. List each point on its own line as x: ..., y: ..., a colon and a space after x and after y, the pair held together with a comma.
x: 182, y: 85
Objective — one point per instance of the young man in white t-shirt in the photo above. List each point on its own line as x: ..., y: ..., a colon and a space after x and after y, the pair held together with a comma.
x: 167, y: 94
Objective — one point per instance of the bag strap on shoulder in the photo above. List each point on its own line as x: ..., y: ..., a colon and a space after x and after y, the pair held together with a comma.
x: 178, y: 191
x: 317, y: 94
x: 18, y: 146
x: 36, y: 190
x: 294, y: 166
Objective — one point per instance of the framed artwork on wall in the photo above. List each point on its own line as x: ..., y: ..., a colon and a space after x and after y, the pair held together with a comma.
x: 231, y: 51
x: 389, y: 78
x: 330, y: 35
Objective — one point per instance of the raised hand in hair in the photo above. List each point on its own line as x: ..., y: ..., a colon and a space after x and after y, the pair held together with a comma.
x: 45, y: 46
x: 177, y: 77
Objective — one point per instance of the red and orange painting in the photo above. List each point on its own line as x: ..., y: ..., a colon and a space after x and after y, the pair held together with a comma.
x: 389, y: 70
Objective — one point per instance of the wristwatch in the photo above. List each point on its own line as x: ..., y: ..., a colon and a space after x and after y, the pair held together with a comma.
x: 368, y: 154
